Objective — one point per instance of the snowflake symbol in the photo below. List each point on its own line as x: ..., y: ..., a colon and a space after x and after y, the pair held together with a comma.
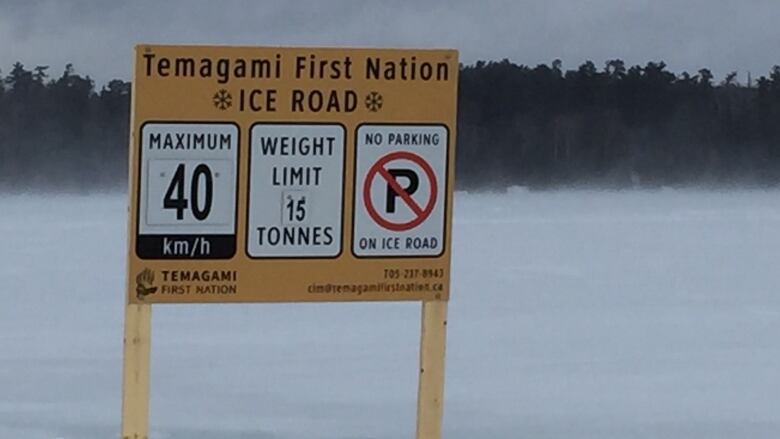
x: 374, y: 101
x: 222, y: 99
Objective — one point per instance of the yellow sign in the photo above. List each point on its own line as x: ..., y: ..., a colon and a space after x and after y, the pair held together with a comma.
x: 263, y: 174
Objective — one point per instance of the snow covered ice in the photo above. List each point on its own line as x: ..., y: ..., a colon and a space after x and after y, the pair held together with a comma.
x: 574, y: 314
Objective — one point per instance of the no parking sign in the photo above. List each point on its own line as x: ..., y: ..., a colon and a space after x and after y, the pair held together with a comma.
x: 401, y: 188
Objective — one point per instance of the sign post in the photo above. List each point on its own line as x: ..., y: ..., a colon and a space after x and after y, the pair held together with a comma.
x: 135, y: 379
x: 430, y: 396
x: 262, y: 174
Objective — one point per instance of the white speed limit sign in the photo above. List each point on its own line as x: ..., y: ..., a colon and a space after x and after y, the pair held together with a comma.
x: 187, y: 190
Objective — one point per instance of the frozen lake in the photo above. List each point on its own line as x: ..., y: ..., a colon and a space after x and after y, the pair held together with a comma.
x: 575, y: 314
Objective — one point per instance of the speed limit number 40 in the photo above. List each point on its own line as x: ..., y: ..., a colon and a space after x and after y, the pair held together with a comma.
x: 188, y: 182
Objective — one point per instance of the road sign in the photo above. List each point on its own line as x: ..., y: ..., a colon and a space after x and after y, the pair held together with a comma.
x: 291, y: 174
x: 401, y: 190
x: 253, y: 170
x: 296, y: 190
x: 187, y: 190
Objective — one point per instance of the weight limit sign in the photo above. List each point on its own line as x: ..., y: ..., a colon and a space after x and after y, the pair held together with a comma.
x: 187, y: 186
x: 296, y: 190
x: 400, y: 179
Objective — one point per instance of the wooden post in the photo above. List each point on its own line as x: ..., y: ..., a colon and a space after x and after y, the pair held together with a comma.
x: 135, y: 380
x: 430, y: 396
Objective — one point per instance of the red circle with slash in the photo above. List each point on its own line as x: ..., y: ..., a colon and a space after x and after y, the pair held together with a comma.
x: 421, y: 213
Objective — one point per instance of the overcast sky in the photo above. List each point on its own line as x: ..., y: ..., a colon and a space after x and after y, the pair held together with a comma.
x: 97, y: 36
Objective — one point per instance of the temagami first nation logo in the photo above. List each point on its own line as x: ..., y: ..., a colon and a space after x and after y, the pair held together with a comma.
x: 144, y: 284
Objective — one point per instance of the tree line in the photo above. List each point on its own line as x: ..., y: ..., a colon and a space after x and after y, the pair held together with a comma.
x: 61, y: 133
x: 543, y: 126
x: 616, y: 126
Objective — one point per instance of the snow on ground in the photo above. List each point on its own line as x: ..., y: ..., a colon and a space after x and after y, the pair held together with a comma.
x: 575, y: 314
